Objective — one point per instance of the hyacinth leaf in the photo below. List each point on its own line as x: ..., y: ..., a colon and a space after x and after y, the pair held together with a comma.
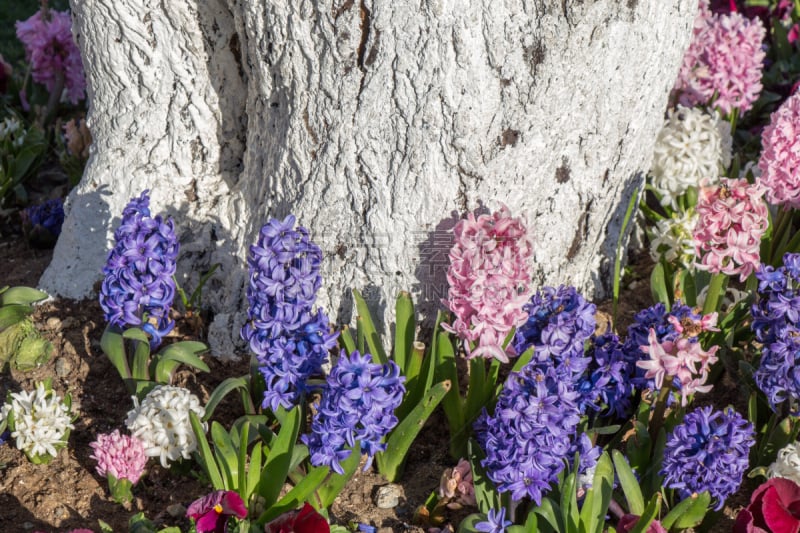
x: 521, y: 361
x: 364, y: 321
x: 241, y: 461
x: 334, y: 483
x: 651, y: 477
x: 485, y: 494
x: 113, y: 345
x: 11, y: 314
x: 470, y: 523
x: 569, y: 502
x: 222, y: 390
x: 598, y: 498
x: 416, y: 386
x: 21, y: 296
x: 404, y: 332
x: 649, y: 514
x: 687, y: 513
x: 716, y: 290
x: 476, y: 387
x: 226, y: 456
x: 253, y: 470
x: 276, y: 466
x: 346, y: 338
x: 551, y: 512
x: 629, y: 483
x: 391, y: 461
x: 204, y: 455
x: 120, y: 489
x: 141, y: 361
x: 619, y: 251
x: 658, y: 285
x: 688, y: 288
x: 452, y: 404
x: 185, y: 352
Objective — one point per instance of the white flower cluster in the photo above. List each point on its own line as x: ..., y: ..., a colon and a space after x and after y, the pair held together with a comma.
x: 162, y: 422
x: 787, y: 464
x: 39, y: 421
x: 9, y: 129
x: 672, y: 238
x: 690, y: 148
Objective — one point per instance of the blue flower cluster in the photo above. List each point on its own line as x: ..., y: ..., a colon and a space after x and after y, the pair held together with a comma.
x: 290, y: 340
x: 495, y: 522
x: 607, y: 387
x: 138, y: 288
x: 708, y: 451
x: 48, y: 216
x: 357, y: 406
x: 776, y: 324
x: 530, y: 436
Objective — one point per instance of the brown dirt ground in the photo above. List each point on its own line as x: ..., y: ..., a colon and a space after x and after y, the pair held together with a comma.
x: 68, y: 494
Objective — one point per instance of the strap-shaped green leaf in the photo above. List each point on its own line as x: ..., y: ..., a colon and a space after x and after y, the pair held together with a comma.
x: 11, y: 314
x: 630, y: 485
x: 658, y: 285
x: 551, y: 512
x: 254, y: 470
x: 241, y: 462
x: 222, y: 390
x: 279, y: 458
x: 113, y: 345
x: 391, y: 461
x: 416, y: 386
x: 365, y: 323
x: 688, y: 513
x: 22, y: 296
x: 452, y: 403
x: 334, y: 483
x: 598, y: 497
x: 569, y: 503
x: 300, y: 493
x: 226, y: 455
x: 346, y: 339
x: 204, y: 455
x: 141, y: 360
x: 485, y: 494
x: 404, y: 333
x: 184, y: 352
x: 649, y: 514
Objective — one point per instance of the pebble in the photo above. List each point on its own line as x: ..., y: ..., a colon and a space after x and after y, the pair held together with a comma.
x: 54, y: 323
x: 63, y: 367
x: 388, y: 496
x: 61, y: 513
x: 27, y: 525
x: 175, y: 510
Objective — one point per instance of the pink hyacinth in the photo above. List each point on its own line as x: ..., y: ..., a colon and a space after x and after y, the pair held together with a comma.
x: 725, y: 58
x: 489, y: 280
x: 780, y: 155
x: 680, y: 360
x: 457, y: 486
x: 119, y: 455
x: 52, y: 53
x: 732, y: 219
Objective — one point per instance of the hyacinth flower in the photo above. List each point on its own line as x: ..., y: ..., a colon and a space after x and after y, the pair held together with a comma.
x: 120, y: 458
x: 356, y: 411
x: 606, y: 387
x: 489, y: 277
x: 290, y: 340
x: 723, y: 65
x: 495, y: 522
x: 54, y: 57
x: 708, y: 451
x: 691, y: 147
x: 42, y: 223
x: 456, y: 486
x: 139, y: 287
x: 212, y: 513
x: 776, y: 324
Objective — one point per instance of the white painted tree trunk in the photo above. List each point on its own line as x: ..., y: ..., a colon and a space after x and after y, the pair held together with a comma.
x: 378, y: 123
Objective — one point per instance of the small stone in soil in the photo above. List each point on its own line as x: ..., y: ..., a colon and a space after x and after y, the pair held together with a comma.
x: 63, y: 367
x: 54, y: 323
x: 387, y: 496
x: 175, y: 510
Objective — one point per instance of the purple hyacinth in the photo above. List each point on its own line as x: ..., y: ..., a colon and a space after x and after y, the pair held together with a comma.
x: 606, y: 387
x: 708, y: 451
x: 559, y: 323
x: 138, y: 288
x: 49, y: 216
x: 495, y: 522
x: 357, y: 406
x: 531, y: 433
x: 776, y: 324
x: 290, y: 340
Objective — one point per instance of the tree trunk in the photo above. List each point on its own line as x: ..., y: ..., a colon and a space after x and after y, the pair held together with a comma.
x: 377, y: 123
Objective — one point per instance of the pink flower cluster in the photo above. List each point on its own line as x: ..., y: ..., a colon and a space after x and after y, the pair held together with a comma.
x: 489, y: 278
x: 780, y: 155
x: 457, y: 485
x: 681, y: 359
x: 119, y: 455
x: 52, y: 53
x: 725, y: 59
x: 732, y: 218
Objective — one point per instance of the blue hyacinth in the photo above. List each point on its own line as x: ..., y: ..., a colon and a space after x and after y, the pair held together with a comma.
x: 495, y: 522
x: 708, y: 451
x: 290, y: 340
x: 776, y: 324
x: 48, y: 216
x: 606, y: 387
x: 357, y: 407
x: 138, y: 287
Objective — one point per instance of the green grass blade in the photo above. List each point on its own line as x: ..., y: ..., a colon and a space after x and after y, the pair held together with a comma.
x: 346, y: 339
x: 204, y: 455
x: 365, y: 322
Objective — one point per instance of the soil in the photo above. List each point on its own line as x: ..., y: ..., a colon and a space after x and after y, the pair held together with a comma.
x: 68, y: 494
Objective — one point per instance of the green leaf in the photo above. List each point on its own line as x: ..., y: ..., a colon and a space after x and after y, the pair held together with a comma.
x: 113, y: 345
x: 390, y: 462
x: 658, y: 285
x: 618, y: 252
x: 222, y: 390
x: 21, y: 296
x: 334, y: 483
x: 184, y: 352
x: 475, y: 390
x: 364, y: 321
x: 470, y: 522
x: 33, y: 352
x: 13, y: 313
x: 484, y: 489
x: 569, y: 503
x: 346, y: 339
x: 141, y: 360
x: 630, y: 485
x: 404, y: 333
x: 254, y: 470
x: 136, y: 334
x: 598, y: 498
x: 688, y: 513
x: 452, y: 403
x: 550, y: 511
x: 243, y: 484
x: 276, y: 467
x: 226, y: 456
x: 649, y: 514
x: 204, y: 455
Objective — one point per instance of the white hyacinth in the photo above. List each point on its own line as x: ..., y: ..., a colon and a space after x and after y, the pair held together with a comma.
x: 691, y: 147
x: 9, y: 129
x: 672, y: 238
x: 162, y: 422
x: 787, y: 464
x: 39, y: 422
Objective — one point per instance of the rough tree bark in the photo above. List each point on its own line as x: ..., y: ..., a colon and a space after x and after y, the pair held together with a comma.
x: 378, y: 123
